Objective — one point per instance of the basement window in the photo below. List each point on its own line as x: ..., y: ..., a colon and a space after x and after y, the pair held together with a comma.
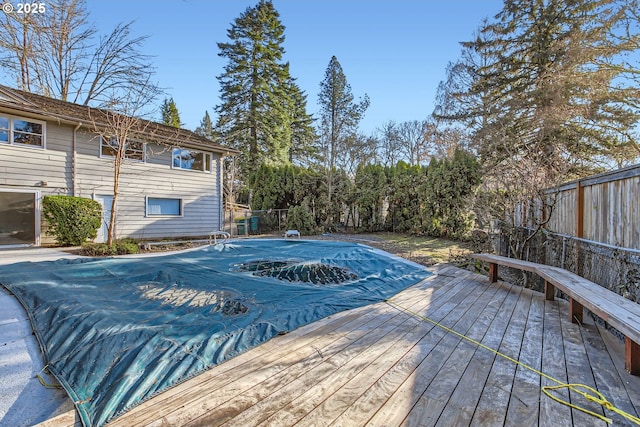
x: 159, y: 206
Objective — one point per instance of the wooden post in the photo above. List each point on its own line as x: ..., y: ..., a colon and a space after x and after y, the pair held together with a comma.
x: 579, y: 228
x: 549, y: 291
x: 631, y: 356
x: 493, y: 272
x: 575, y: 311
x: 579, y: 210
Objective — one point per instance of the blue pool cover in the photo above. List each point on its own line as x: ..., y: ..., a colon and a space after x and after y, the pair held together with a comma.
x: 117, y: 331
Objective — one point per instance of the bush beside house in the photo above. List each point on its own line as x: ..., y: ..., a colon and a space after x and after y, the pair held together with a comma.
x: 72, y: 220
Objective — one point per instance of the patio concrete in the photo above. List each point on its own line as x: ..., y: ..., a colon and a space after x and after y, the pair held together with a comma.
x: 24, y: 401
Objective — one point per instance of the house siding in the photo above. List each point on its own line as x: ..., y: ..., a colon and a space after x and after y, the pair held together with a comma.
x: 25, y: 168
x: 152, y: 178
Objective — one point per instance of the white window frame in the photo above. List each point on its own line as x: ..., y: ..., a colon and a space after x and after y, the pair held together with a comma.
x: 103, y: 139
x: 11, y: 132
x: 207, y: 163
x: 149, y: 214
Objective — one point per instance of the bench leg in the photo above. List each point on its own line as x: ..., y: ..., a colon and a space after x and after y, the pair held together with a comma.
x: 493, y: 272
x: 575, y: 311
x: 549, y: 291
x: 631, y: 356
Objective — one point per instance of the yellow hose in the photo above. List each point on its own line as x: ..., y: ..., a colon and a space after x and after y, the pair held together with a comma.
x: 596, y: 397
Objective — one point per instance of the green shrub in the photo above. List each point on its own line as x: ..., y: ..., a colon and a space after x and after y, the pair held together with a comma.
x: 72, y: 220
x: 120, y: 247
x: 300, y: 218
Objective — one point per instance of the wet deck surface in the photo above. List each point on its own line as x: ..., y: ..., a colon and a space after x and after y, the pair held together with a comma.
x: 388, y: 364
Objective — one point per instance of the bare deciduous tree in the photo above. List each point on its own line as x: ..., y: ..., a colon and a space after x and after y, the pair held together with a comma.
x: 56, y: 54
x: 118, y: 123
x: 412, y: 136
x: 358, y: 149
x: 389, y: 148
x: 17, y: 47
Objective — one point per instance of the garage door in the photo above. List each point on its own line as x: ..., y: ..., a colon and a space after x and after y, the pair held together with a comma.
x: 18, y: 218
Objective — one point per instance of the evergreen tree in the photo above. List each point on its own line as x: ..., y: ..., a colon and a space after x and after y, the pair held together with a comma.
x: 447, y: 195
x: 170, y: 115
x: 546, y: 96
x: 371, y: 191
x: 303, y: 134
x: 206, y: 127
x: 404, y: 197
x: 554, y: 98
x: 340, y: 116
x: 459, y: 109
x: 262, y: 110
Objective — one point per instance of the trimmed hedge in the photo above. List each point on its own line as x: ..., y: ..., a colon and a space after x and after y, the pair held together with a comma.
x: 72, y: 220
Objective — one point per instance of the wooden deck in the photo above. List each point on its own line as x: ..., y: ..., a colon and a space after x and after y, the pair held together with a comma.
x: 381, y: 366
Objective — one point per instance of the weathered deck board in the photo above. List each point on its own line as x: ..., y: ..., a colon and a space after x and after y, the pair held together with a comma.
x: 462, y: 405
x: 436, y: 394
x: 577, y: 362
x: 263, y: 409
x: 492, y: 406
x: 383, y: 366
x: 524, y: 409
x: 438, y: 348
x: 308, y: 401
x: 554, y: 364
x: 377, y: 394
x: 605, y: 352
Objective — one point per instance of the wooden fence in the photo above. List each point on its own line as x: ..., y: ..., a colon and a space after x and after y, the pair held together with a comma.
x: 603, y: 208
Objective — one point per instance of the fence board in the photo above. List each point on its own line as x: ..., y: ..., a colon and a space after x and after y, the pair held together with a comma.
x: 611, y: 210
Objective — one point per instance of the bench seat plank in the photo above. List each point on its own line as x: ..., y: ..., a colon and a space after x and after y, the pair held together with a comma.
x: 619, y: 312
x: 616, y: 310
x: 508, y: 262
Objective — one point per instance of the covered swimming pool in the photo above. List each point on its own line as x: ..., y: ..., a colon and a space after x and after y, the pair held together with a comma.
x: 118, y: 331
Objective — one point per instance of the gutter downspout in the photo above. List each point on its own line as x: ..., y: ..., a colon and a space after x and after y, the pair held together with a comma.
x: 73, y: 159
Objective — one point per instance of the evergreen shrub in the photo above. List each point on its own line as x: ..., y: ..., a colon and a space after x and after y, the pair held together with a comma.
x: 300, y: 218
x: 72, y: 220
x: 119, y: 247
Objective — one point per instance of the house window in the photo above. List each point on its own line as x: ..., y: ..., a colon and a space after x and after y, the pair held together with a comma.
x: 157, y: 206
x: 133, y: 150
x: 191, y: 160
x: 19, y: 131
x: 4, y: 129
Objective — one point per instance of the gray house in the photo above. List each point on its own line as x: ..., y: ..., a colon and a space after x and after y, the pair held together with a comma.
x: 170, y: 181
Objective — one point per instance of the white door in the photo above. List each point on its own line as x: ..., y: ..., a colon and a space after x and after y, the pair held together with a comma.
x: 105, y: 201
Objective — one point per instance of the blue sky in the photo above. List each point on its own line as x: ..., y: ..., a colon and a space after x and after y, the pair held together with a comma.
x: 394, y: 51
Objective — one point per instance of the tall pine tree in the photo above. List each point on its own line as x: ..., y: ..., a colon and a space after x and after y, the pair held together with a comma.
x: 206, y: 127
x: 546, y: 95
x: 170, y: 114
x: 340, y: 116
x: 554, y: 98
x: 258, y: 114
x: 303, y: 134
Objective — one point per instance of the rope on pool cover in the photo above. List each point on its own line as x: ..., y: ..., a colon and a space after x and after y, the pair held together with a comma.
x: 596, y: 397
x: 43, y: 382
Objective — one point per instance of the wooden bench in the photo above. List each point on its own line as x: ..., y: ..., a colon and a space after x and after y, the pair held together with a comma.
x: 619, y: 312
